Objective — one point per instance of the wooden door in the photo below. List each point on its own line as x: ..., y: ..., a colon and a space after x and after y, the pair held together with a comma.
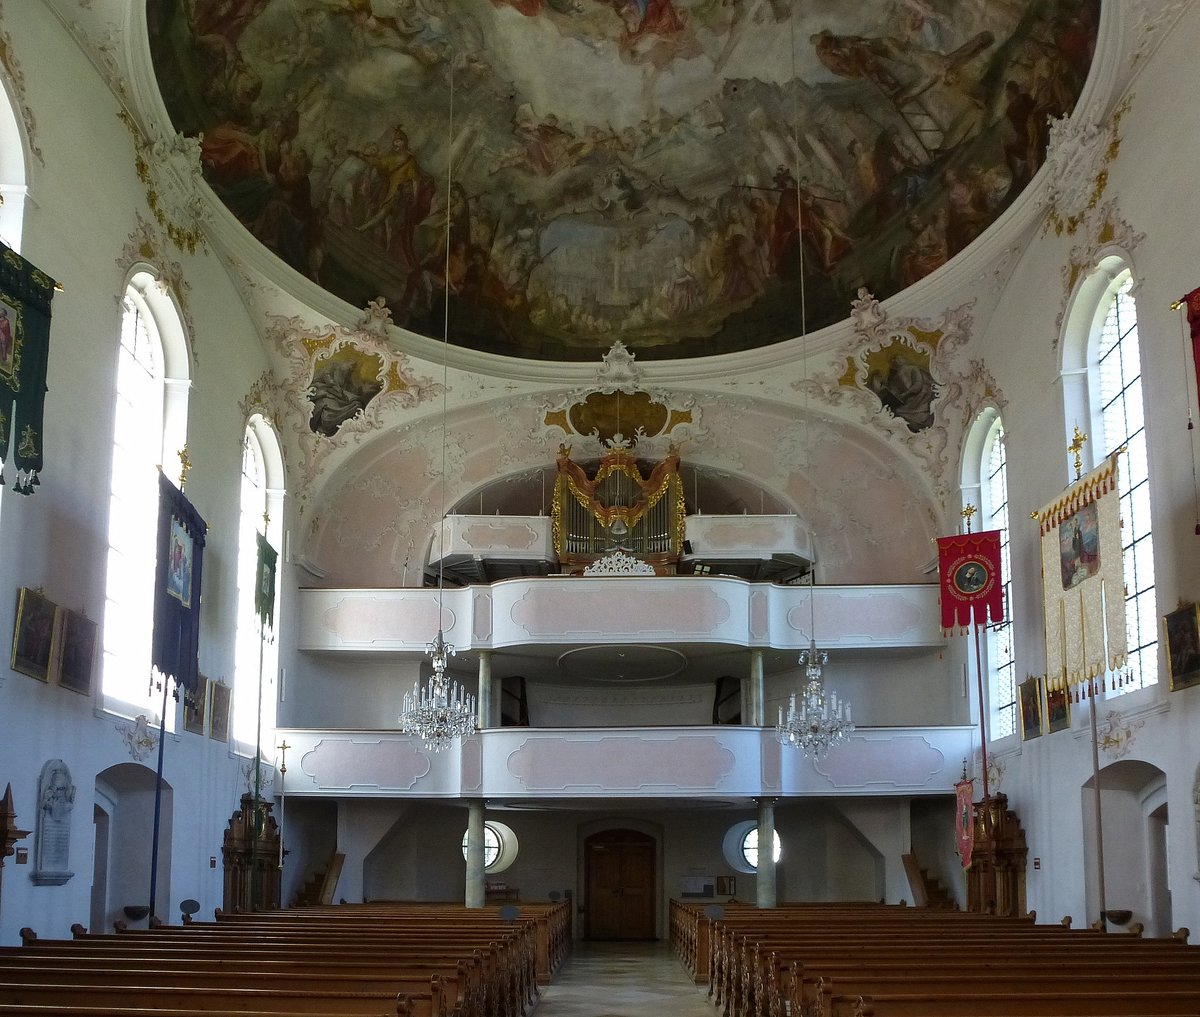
x: 621, y: 892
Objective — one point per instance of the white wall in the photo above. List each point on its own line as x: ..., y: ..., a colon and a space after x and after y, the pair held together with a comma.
x: 1043, y: 778
x: 86, y: 201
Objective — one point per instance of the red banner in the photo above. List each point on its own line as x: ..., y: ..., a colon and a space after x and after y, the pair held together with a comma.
x: 972, y: 589
x: 1192, y: 304
x: 964, y: 820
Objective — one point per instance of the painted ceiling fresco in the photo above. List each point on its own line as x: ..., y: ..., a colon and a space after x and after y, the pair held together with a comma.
x: 575, y: 172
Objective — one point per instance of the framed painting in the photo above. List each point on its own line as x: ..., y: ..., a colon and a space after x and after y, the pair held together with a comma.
x: 726, y: 886
x: 77, y: 637
x: 1030, y: 697
x: 195, y: 711
x: 179, y: 567
x: 33, y: 635
x: 1058, y: 710
x: 1183, y: 646
x: 218, y: 725
x: 10, y: 338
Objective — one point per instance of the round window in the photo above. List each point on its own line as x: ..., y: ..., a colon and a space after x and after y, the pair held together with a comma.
x: 740, y: 847
x: 499, y: 846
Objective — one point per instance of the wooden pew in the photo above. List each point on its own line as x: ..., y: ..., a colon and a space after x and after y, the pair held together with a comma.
x: 414, y: 964
x: 839, y: 961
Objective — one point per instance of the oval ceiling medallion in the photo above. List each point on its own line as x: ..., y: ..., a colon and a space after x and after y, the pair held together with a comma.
x: 621, y: 665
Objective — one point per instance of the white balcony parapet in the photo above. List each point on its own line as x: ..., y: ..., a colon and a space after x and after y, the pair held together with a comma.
x: 714, y: 610
x: 646, y: 763
x: 518, y: 538
x: 748, y: 536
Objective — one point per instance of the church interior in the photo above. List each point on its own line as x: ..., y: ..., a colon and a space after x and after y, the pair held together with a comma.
x: 562, y: 402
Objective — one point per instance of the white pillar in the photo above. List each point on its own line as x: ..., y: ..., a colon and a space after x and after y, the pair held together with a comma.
x: 765, y: 882
x: 483, y: 700
x: 476, y: 889
x: 757, y: 697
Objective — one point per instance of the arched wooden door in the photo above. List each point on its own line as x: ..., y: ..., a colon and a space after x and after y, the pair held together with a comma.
x: 621, y: 893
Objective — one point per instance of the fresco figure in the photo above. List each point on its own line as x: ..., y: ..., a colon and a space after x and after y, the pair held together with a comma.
x: 914, y: 130
x: 406, y: 199
x: 853, y: 56
x: 907, y: 389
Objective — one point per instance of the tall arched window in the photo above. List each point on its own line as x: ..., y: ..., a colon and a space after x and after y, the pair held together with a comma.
x: 149, y: 428
x: 13, y: 182
x: 985, y: 485
x: 1103, y: 387
x: 256, y: 657
x: 1120, y: 420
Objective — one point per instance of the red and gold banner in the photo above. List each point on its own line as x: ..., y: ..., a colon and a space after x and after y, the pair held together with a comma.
x: 964, y: 819
x: 1191, y: 304
x: 972, y: 588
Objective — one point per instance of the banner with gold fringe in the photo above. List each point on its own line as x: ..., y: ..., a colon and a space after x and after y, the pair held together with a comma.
x: 175, y: 647
x: 1083, y: 581
x: 25, y: 297
x: 972, y: 587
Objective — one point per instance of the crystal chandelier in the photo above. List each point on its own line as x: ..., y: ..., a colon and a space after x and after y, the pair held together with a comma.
x: 815, y: 721
x: 440, y: 711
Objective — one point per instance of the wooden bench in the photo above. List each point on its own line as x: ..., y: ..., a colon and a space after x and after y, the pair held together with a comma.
x: 422, y: 963
x: 839, y: 961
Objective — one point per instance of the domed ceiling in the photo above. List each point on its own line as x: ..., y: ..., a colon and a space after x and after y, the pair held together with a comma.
x: 654, y: 171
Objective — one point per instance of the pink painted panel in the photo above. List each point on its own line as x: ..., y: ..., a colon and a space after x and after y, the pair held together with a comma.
x: 877, y: 616
x: 621, y: 763
x: 894, y: 761
x: 555, y: 612
x: 360, y: 619
x: 735, y: 534
x: 391, y: 765
x: 485, y: 537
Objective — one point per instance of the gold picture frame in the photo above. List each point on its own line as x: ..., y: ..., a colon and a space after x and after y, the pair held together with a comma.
x: 195, y: 711
x: 76, y: 655
x: 1058, y: 710
x: 34, y: 634
x: 1029, y: 699
x: 1182, y: 630
x: 218, y: 723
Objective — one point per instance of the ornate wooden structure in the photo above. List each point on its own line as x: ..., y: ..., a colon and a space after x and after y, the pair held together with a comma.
x: 251, y: 857
x: 618, y: 508
x: 996, y: 878
x: 9, y: 832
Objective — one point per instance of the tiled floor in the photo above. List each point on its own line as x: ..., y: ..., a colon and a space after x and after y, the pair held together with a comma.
x: 623, y: 980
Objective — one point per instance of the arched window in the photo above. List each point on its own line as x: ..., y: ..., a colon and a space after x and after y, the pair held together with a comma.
x: 256, y: 657
x: 1103, y: 387
x: 149, y: 429
x: 13, y: 182
x: 985, y: 485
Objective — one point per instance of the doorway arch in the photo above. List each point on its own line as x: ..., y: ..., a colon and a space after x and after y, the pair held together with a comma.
x: 620, y: 885
x: 1133, y: 804
x: 124, y: 830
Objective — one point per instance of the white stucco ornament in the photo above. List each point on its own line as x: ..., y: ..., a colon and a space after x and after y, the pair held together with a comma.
x: 619, y: 563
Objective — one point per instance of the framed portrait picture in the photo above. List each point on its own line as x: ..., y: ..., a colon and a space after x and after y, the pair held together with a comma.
x: 1030, y: 698
x: 218, y: 725
x: 195, y: 711
x: 77, y: 638
x: 726, y: 886
x: 33, y: 635
x: 10, y: 338
x: 179, y: 565
x: 1058, y: 710
x: 1183, y: 646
